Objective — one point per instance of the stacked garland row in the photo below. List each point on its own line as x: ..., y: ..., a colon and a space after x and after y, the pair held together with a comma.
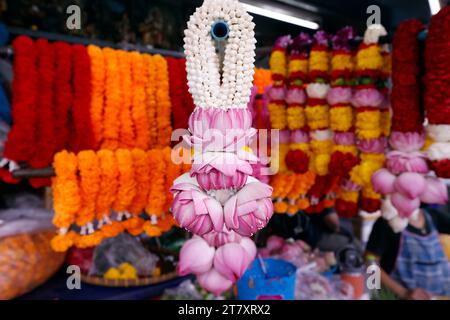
x: 97, y: 195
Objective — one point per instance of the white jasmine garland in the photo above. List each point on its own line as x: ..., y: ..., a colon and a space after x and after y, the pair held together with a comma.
x: 202, y: 62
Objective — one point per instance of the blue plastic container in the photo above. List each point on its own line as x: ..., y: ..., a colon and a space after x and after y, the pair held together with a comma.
x: 278, y: 284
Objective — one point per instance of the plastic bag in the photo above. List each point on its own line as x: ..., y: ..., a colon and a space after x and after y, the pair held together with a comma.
x: 123, y: 248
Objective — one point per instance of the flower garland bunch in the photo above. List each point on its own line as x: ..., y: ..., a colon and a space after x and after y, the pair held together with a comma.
x: 163, y: 100
x: 436, y: 86
x: 112, y: 100
x: 404, y: 182
x: 83, y: 135
x: 367, y: 101
x: 296, y: 198
x: 151, y: 105
x: 22, y: 136
x: 278, y: 67
x: 66, y: 199
x: 127, y: 137
x: 317, y: 116
x: 297, y: 159
x: 98, y: 71
x: 63, y: 94
x: 219, y: 200
x: 177, y: 83
x: 344, y: 152
x: 45, y: 140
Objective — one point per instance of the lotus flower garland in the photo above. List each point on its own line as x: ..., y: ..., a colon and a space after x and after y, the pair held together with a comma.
x: 219, y: 201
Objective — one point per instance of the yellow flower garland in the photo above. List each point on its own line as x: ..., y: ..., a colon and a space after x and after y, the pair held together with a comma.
x: 296, y: 117
x: 317, y: 116
x: 341, y: 118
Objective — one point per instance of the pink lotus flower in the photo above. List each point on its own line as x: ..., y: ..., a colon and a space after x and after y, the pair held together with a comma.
x: 398, y: 162
x: 372, y: 145
x: 296, y: 95
x: 407, y: 141
x: 214, y: 282
x: 435, y: 191
x: 404, y: 205
x: 367, y: 98
x: 193, y: 209
x: 274, y: 243
x: 344, y: 138
x: 339, y: 95
x: 196, y: 256
x: 203, y: 119
x: 232, y: 259
x: 250, y: 209
x: 220, y: 170
x: 410, y: 184
x: 383, y: 181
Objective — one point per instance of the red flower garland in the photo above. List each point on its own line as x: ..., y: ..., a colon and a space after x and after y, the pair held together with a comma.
x: 63, y: 94
x: 437, y: 77
x: 180, y: 116
x: 83, y: 137
x: 21, y: 139
x: 45, y: 133
x: 407, y: 114
x: 188, y: 101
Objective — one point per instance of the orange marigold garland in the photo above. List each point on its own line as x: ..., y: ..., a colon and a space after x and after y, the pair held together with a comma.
x: 98, y: 91
x: 127, y: 183
x: 127, y: 137
x: 150, y: 90
x: 143, y: 181
x: 112, y: 100
x: 139, y: 111
x: 66, y: 198
x: 157, y: 194
x: 163, y: 102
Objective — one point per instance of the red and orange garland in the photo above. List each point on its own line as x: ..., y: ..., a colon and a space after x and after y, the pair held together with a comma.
x: 88, y: 186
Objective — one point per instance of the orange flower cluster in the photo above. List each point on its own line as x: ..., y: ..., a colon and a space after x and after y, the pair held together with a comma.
x: 130, y: 104
x: 262, y: 79
x: 98, y: 195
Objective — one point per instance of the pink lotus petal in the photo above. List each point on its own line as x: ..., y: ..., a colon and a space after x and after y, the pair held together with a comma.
x: 410, y: 184
x: 383, y: 181
x: 435, y: 191
x: 407, y: 141
x: 196, y: 256
x: 404, y: 205
x: 214, y: 282
x: 231, y: 260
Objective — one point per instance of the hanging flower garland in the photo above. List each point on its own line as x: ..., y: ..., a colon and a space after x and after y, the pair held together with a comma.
x: 278, y: 67
x: 157, y: 195
x: 297, y: 159
x: 66, y: 198
x: 177, y: 94
x: 151, y: 105
x: 112, y: 100
x: 83, y: 134
x: 163, y: 102
x: 127, y: 138
x: 98, y: 71
x: 139, y: 111
x: 63, y: 94
x: 317, y: 116
x: 436, y: 88
x: 367, y: 101
x: 45, y: 135
x: 127, y: 183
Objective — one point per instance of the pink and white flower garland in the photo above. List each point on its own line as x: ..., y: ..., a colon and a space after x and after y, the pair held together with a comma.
x: 219, y: 201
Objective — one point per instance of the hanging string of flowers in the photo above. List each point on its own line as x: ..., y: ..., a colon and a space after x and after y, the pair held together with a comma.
x: 127, y: 138
x: 437, y: 105
x: 318, y: 119
x: 83, y: 135
x: 98, y: 91
x: 63, y: 94
x: 297, y: 159
x: 177, y: 93
x: 367, y: 101
x: 163, y: 102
